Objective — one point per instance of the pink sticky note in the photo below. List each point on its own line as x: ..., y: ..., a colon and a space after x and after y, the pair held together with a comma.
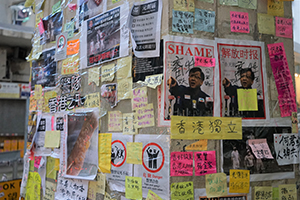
x: 41, y: 27
x: 72, y: 6
x: 239, y: 22
x: 205, y: 62
x: 182, y: 164
x: 37, y: 161
x: 260, y: 148
x: 205, y: 163
x: 284, y: 27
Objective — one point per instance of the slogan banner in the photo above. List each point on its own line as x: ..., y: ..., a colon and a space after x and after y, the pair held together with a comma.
x: 287, y: 148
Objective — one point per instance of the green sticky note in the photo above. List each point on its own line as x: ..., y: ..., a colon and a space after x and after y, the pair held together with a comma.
x: 31, y: 165
x: 275, y: 193
x: 52, y: 139
x: 115, y: 1
x: 50, y: 168
x: 182, y: 190
x: 229, y: 2
x: 56, y: 7
x: 250, y: 4
x: 69, y: 28
x: 247, y: 99
x: 208, y: 1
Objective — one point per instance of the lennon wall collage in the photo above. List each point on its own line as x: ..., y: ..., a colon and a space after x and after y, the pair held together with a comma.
x: 162, y: 99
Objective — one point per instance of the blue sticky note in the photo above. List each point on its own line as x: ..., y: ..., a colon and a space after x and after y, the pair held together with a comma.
x: 182, y: 21
x: 204, y: 20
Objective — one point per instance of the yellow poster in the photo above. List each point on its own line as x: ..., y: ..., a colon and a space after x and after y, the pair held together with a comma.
x: 133, y: 187
x: 247, y: 99
x: 124, y: 88
x: 10, y: 189
x: 48, y: 95
x: 124, y: 67
x: 70, y: 65
x: 288, y: 191
x: 216, y: 185
x: 239, y: 181
x: 190, y: 128
x: 182, y: 190
x: 104, y: 152
x: 266, y: 24
x: 108, y: 72
x: 38, y: 91
x: 275, y: 8
x: 134, y: 152
x: 152, y: 196
x: 94, y: 75
x: 187, y: 5
x: 92, y: 100
x: 52, y: 139
x: 200, y: 145
x: 33, y: 190
x: 262, y: 193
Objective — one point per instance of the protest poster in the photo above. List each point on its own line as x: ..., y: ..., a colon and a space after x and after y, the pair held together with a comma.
x: 188, y: 90
x: 155, y: 164
x: 119, y: 167
x: 237, y: 154
x: 68, y: 188
x: 52, y: 26
x: 105, y: 37
x: 241, y: 66
x: 144, y: 24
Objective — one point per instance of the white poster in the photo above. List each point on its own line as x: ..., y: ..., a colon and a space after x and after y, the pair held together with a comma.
x: 287, y: 148
x: 144, y: 24
x: 105, y: 37
x: 155, y: 168
x: 68, y: 188
x: 188, y: 90
x: 119, y: 167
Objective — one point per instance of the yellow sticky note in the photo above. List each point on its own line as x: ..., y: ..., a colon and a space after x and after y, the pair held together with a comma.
x: 56, y: 164
x: 152, y: 81
x: 50, y: 189
x: 247, y: 99
x: 38, y: 17
x: 239, y: 181
x: 129, y: 124
x: 50, y: 168
x: 139, y: 98
x: 104, y: 152
x: 263, y: 193
x: 191, y: 128
x: 38, y: 90
x: 124, y: 67
x: 134, y: 152
x: 101, y: 183
x: 108, y: 72
x: 52, y: 139
x: 48, y: 95
x: 133, y: 187
x: 32, y: 103
x: 92, y: 190
x: 200, y: 145
x: 266, y: 24
x: 70, y: 65
x: 216, y: 185
x: 187, y: 5
x: 152, y: 196
x: 124, y: 88
x: 275, y: 8
x: 94, y: 75
x: 144, y: 116
x: 92, y: 100
x: 182, y: 190
x: 287, y: 191
x: 115, y: 122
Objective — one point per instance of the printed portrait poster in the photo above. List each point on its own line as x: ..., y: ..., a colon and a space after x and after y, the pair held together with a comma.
x: 144, y: 23
x: 241, y: 66
x: 105, y: 37
x: 188, y: 89
x: 53, y: 27
x: 156, y: 163
x: 44, y: 70
x: 80, y: 146
x: 237, y: 154
x: 119, y: 167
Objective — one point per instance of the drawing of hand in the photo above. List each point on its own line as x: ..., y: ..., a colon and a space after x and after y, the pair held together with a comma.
x: 171, y: 82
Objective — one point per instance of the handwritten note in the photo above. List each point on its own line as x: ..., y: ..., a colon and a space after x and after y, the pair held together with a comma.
x: 239, y: 22
x: 108, y: 72
x: 182, y: 22
x: 266, y: 24
x: 229, y: 2
x: 133, y: 187
x: 134, y: 152
x: 187, y: 5
x: 73, y: 47
x: 275, y: 8
x: 190, y: 128
x: 204, y: 62
x: 216, y: 185
x: 182, y: 164
x: 52, y: 139
x: 139, y: 98
x: 96, y: 187
x: 152, y: 196
x: 115, y: 121
x: 287, y: 148
x: 92, y: 100
x: 124, y: 89
x: 182, y: 190
x: 123, y: 67
x: 145, y: 116
x: 129, y: 124
x: 284, y: 27
x: 249, y: 4
x: 200, y: 145
x: 104, y: 152
x: 152, y: 81
x: 50, y: 189
x: 239, y: 181
x: 68, y: 188
x: 287, y: 191
x: 69, y: 28
x: 56, y: 7
x: 204, y: 20
x: 247, y: 99
x: 70, y: 65
x: 263, y: 193
x: 94, y: 75
x: 205, y: 163
x: 260, y: 148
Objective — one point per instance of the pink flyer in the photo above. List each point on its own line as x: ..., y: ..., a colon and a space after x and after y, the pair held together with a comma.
x: 204, y: 62
x: 284, y: 27
x: 182, y: 164
x: 205, y: 163
x: 239, y: 22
